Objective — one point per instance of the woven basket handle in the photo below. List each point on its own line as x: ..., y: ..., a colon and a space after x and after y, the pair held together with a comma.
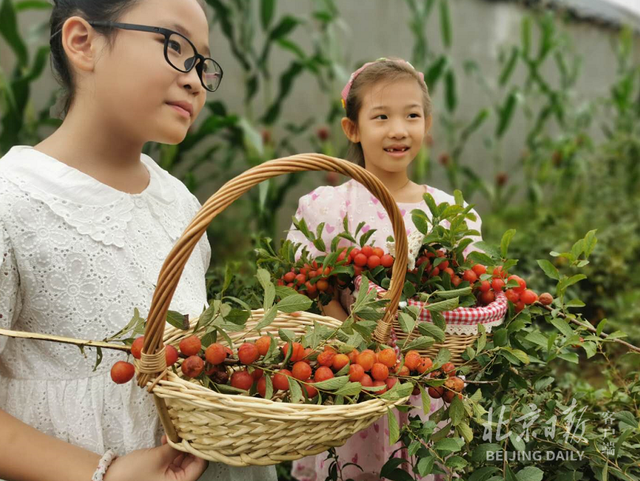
x: 232, y: 190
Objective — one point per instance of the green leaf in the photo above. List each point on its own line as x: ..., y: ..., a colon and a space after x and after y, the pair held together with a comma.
x: 269, y: 296
x: 399, y: 391
x: 177, y: 320
x: 332, y: 384
x: 252, y: 136
x: 483, y: 474
x: 294, y: 303
x: 264, y: 278
x: 445, y: 23
x: 295, y: 389
x: 505, y: 113
x: 407, y: 323
x: 269, y: 388
x: 449, y: 445
x: 522, y: 356
x: 506, y: 240
x: 422, y: 342
x: 480, y: 257
x: 479, y: 454
x: 566, y: 282
x: 549, y: 269
x: 455, y: 462
x: 442, y: 306
x: 489, y: 249
x: 394, y: 429
x: 456, y: 411
x: 9, y: 30
x: 268, y: 318
x: 425, y: 465
x: 537, y: 338
x: 453, y: 293
x: 569, y: 356
x: 349, y: 389
x: 432, y: 330
x: 442, y: 357
x: 451, y: 96
x: 509, y: 66
x: 530, y: 473
x: 287, y: 335
x: 267, y: 8
x: 600, y: 327
x: 590, y: 242
x: 286, y: 25
x: 517, y: 441
x: 465, y: 431
x: 562, y: 326
x: 237, y: 316
x: 426, y: 399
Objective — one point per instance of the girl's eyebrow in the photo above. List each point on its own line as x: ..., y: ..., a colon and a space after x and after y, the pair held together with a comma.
x: 384, y: 107
x: 180, y: 29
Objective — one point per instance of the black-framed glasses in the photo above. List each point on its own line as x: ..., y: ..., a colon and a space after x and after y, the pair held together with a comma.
x: 179, y: 52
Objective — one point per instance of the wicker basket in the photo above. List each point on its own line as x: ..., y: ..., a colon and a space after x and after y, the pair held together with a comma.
x: 235, y: 429
x: 461, y: 331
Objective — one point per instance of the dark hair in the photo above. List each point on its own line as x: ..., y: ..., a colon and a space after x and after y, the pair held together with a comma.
x: 90, y: 10
x: 387, y: 70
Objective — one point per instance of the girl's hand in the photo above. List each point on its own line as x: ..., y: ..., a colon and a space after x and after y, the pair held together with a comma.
x: 156, y: 464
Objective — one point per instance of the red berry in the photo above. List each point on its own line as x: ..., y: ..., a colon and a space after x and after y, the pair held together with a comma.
x: 354, y: 252
x: 479, y: 269
x: 367, y: 251
x: 470, y: 276
x: 545, y: 299
x: 215, y: 354
x: 311, y: 391
x: 122, y: 372
x: 497, y: 284
x: 301, y: 371
x: 487, y: 297
x: 528, y: 296
x: 190, y: 346
x: 379, y: 372
x: 484, y: 286
x: 248, y: 353
x: 261, y: 387
x: 378, y: 252
x: 522, y: 284
x: 322, y: 374
x: 263, y: 345
x: 373, y: 262
x: 281, y: 381
x: 296, y: 354
x: 512, y: 296
x: 380, y: 383
x: 242, y: 380
x: 192, y: 366
x: 289, y: 277
x: 170, y: 355
x: 386, y: 261
x: 360, y: 260
x: 136, y: 347
x: 356, y: 372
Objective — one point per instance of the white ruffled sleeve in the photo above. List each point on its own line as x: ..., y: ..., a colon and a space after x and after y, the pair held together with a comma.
x: 320, y: 205
x: 10, y: 296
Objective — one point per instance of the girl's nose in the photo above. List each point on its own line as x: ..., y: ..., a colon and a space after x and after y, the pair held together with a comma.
x: 191, y: 81
x: 397, y: 129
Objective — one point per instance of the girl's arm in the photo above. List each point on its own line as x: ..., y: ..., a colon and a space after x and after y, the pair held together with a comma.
x: 29, y: 455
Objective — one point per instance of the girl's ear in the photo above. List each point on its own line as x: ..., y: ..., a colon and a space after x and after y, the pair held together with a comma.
x: 350, y: 129
x: 81, y: 43
x: 427, y: 124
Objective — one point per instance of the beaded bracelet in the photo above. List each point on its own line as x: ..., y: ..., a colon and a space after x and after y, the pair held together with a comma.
x: 103, y: 465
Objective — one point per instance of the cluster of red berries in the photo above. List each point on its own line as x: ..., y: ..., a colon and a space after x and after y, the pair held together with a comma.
x: 311, y: 279
x: 487, y: 290
x: 380, y: 369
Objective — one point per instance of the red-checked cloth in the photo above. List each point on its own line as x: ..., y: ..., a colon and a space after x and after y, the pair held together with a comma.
x: 463, y: 320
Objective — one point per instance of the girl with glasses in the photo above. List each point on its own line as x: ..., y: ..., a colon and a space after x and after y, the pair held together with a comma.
x: 86, y: 221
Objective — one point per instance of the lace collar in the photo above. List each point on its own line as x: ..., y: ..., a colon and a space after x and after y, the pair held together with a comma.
x: 93, y: 208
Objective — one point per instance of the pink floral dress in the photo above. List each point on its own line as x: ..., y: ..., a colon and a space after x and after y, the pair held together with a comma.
x: 369, y: 448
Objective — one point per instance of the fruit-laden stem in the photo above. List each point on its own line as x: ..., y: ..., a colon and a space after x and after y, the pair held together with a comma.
x: 65, y: 340
x: 590, y: 328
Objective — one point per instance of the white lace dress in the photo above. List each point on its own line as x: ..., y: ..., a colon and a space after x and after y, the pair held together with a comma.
x: 76, y: 258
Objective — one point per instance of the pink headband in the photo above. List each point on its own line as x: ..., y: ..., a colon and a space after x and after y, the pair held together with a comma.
x: 347, y: 88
